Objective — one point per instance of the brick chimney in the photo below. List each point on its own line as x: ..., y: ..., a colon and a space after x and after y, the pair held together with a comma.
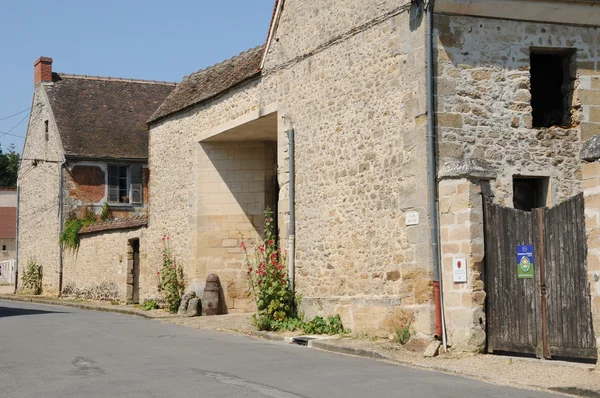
x: 42, y: 70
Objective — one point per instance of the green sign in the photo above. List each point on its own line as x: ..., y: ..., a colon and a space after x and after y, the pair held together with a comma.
x: 525, y: 261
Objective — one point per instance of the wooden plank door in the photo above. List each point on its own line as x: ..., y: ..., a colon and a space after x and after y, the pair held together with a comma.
x: 569, y: 315
x: 512, y: 303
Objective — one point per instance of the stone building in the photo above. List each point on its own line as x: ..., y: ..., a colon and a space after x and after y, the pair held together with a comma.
x: 86, y: 149
x: 403, y: 122
x: 8, y: 223
x: 511, y: 102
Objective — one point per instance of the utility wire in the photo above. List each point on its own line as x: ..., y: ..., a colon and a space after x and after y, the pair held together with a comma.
x: 8, y: 117
x: 14, y: 127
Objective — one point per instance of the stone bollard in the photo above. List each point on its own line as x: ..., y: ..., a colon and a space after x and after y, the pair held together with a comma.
x: 194, y: 307
x: 211, y: 299
x: 183, y: 305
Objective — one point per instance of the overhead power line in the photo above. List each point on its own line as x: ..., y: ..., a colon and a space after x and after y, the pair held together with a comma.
x: 2, y: 134
x: 16, y: 114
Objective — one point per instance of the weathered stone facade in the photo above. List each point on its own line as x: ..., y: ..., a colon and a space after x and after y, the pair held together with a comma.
x: 357, y: 106
x: 484, y: 100
x: 102, y: 260
x: 39, y: 182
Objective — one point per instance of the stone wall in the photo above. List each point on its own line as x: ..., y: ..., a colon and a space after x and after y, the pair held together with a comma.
x: 357, y: 106
x: 483, y: 100
x: 101, y: 261
x: 11, y: 249
x: 193, y: 199
x: 39, y: 180
x: 461, y: 237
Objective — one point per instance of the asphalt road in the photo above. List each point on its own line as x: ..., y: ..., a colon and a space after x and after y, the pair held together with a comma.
x: 48, y: 351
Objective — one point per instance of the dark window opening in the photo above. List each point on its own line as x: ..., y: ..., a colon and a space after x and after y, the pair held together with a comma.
x: 46, y: 130
x: 551, y: 87
x: 3, y: 248
x: 530, y: 193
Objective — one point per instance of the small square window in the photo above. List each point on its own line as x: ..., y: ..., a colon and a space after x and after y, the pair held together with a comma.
x: 3, y: 248
x: 530, y: 193
x: 552, y: 83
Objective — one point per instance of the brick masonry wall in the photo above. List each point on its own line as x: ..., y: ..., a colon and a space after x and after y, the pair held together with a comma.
x: 591, y: 192
x: 461, y: 236
x: 483, y: 100
x: 39, y: 177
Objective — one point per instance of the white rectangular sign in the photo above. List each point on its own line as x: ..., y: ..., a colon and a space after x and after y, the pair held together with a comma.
x: 412, y: 218
x: 459, y: 268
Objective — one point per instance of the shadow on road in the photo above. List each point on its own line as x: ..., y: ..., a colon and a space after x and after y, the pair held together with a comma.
x: 10, y: 311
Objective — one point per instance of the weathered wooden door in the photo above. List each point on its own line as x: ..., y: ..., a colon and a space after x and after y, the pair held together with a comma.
x: 548, y: 315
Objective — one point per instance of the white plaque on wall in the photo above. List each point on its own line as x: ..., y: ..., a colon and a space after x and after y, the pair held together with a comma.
x: 459, y: 268
x: 412, y: 218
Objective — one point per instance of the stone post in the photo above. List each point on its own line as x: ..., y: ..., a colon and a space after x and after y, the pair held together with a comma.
x: 462, y: 237
x: 591, y: 192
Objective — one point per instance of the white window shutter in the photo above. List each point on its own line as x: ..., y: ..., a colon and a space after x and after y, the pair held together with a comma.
x: 136, y: 183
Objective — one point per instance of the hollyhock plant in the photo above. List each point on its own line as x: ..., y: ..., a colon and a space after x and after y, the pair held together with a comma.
x: 268, y: 281
x: 171, y: 282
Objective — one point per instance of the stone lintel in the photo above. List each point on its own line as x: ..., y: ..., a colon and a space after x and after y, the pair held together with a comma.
x: 591, y: 149
x: 467, y: 168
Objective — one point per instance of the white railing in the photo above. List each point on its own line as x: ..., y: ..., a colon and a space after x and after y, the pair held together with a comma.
x: 7, y: 272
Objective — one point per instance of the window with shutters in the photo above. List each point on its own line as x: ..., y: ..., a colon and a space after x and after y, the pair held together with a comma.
x: 125, y: 184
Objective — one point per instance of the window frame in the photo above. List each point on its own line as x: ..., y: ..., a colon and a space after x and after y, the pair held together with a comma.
x: 130, y: 184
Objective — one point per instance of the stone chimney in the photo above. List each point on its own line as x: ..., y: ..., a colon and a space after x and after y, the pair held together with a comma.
x: 42, y: 70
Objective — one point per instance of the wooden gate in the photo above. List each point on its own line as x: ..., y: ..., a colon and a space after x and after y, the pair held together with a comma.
x: 548, y: 315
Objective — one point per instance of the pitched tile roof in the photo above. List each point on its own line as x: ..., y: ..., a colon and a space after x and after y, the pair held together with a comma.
x: 210, y: 82
x: 8, y: 189
x: 8, y: 222
x: 125, y: 223
x: 104, y: 117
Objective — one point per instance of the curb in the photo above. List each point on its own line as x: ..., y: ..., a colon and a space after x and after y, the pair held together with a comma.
x: 577, y: 391
x: 325, y: 346
x: 77, y: 305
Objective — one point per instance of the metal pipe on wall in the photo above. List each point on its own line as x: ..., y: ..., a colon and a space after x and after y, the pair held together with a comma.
x: 292, y: 195
x: 17, y: 242
x: 60, y: 229
x: 432, y: 174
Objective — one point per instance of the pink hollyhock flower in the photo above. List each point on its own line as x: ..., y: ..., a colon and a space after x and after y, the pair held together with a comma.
x: 243, y: 246
x: 271, y: 242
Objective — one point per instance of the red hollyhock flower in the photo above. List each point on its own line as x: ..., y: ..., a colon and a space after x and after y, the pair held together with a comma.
x: 243, y: 246
x: 271, y: 242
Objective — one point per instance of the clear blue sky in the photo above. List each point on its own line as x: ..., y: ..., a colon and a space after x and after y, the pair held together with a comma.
x: 151, y: 39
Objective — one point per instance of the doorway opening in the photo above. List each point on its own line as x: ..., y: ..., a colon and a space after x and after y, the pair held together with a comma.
x: 133, y: 271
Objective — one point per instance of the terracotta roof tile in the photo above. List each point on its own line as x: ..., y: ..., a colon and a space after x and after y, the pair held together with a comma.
x: 8, y: 189
x: 8, y: 222
x: 210, y: 82
x: 104, y: 117
x: 125, y: 223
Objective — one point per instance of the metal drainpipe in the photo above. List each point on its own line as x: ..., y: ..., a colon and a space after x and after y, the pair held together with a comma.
x: 60, y: 229
x: 17, y: 243
x: 292, y: 195
x: 432, y: 172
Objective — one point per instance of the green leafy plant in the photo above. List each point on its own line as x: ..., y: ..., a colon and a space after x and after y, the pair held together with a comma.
x: 32, y: 277
x: 70, y: 234
x: 402, y: 334
x: 268, y: 280
x: 333, y: 325
x: 171, y: 281
x: 150, y: 305
x: 105, y: 213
